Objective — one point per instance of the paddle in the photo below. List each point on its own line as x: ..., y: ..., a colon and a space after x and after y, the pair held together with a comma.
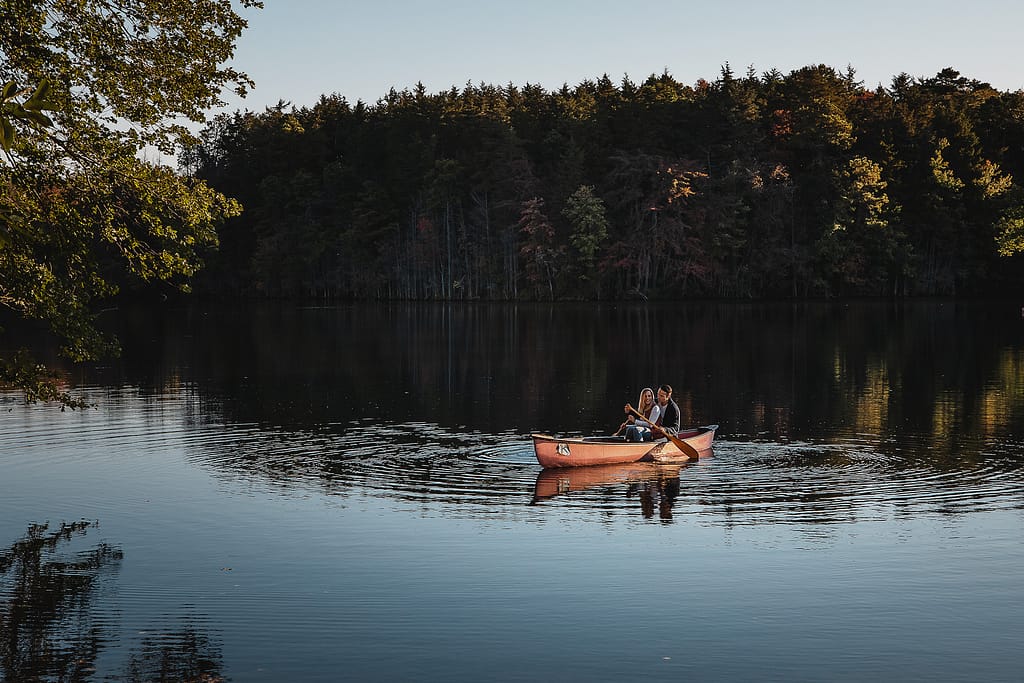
x: 686, y: 448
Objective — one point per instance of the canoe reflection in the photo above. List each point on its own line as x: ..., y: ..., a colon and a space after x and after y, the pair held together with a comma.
x: 656, y: 486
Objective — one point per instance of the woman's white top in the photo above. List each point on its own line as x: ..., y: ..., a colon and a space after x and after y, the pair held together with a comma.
x: 655, y: 412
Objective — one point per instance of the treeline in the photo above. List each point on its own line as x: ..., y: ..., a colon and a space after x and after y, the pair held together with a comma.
x: 765, y: 185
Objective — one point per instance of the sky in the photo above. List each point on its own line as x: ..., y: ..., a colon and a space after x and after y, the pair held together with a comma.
x: 298, y: 50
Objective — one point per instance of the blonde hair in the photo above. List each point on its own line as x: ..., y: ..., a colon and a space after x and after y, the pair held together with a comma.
x: 645, y: 410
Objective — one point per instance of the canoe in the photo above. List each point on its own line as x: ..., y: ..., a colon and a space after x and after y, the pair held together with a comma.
x: 553, y: 451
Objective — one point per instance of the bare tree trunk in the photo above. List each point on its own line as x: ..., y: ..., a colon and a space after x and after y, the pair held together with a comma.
x: 446, y: 284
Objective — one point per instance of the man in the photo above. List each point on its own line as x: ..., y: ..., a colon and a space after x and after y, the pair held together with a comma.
x: 668, y: 417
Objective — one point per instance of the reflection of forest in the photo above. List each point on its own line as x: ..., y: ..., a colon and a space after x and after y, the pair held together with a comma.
x: 785, y: 371
x: 52, y: 624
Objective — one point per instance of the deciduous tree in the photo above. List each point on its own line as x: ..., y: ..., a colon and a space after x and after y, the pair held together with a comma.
x: 81, y: 214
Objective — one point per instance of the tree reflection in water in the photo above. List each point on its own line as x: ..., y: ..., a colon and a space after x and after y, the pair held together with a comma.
x: 187, y: 656
x: 46, y: 628
x: 52, y: 629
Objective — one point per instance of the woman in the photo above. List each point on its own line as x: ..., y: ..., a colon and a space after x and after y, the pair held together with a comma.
x: 640, y: 430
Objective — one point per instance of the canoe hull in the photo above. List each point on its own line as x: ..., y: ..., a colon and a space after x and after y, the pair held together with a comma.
x: 607, y: 450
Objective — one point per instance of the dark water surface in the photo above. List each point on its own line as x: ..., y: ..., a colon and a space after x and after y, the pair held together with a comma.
x: 349, y: 493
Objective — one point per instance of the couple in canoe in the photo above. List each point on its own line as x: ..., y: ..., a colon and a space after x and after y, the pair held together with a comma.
x: 661, y: 416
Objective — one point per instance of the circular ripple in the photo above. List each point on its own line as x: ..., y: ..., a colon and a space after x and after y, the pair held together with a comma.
x: 462, y: 471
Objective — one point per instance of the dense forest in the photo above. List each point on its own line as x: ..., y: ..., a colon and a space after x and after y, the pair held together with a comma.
x: 762, y: 185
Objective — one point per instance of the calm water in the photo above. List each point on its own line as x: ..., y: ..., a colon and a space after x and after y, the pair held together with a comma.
x: 349, y: 493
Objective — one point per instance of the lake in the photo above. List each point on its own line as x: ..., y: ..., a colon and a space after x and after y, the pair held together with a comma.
x: 272, y: 492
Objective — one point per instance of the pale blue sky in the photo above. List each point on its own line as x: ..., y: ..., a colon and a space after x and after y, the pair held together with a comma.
x: 297, y: 50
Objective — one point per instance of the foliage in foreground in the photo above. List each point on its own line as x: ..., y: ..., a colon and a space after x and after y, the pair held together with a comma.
x: 81, y: 214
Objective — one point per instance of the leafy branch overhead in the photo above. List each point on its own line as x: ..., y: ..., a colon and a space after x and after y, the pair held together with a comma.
x: 87, y: 85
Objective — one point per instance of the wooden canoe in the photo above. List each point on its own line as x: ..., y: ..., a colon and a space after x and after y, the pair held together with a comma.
x: 606, y: 450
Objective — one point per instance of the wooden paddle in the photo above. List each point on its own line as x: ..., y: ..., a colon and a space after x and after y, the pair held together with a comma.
x: 687, y: 450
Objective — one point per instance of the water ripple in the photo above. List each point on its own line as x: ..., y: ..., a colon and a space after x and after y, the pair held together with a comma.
x: 756, y: 483
x: 746, y: 482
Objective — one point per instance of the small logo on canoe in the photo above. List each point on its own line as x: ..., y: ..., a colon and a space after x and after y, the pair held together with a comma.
x: 562, y: 449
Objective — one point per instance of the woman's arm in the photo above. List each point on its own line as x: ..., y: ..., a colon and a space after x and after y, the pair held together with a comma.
x: 653, y: 417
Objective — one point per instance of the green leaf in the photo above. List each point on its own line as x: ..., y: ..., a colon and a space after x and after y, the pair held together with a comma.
x: 42, y: 91
x: 40, y: 98
x: 39, y: 117
x: 10, y: 87
x: 6, y: 134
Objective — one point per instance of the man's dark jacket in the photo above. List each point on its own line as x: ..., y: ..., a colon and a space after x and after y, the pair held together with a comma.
x: 669, y: 417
